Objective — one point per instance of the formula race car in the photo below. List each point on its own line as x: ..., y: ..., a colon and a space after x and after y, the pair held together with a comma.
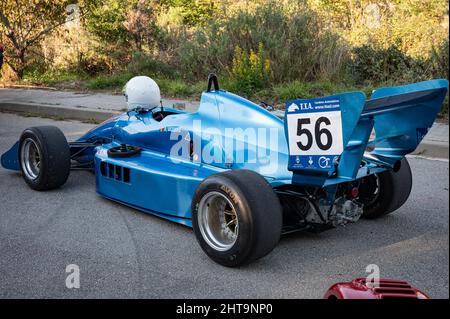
x: 240, y: 175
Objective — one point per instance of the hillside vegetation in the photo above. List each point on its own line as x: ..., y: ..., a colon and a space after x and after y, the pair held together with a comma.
x: 266, y: 50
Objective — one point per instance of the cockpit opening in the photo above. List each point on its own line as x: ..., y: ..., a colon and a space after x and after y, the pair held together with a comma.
x: 160, y: 115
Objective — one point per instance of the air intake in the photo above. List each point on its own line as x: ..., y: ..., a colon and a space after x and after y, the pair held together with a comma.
x: 116, y: 172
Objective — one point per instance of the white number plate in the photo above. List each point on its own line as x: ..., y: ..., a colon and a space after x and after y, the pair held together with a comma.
x: 314, y: 133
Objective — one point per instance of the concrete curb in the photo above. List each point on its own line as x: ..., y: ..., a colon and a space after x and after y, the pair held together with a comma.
x: 426, y: 148
x: 432, y: 149
x: 54, y: 111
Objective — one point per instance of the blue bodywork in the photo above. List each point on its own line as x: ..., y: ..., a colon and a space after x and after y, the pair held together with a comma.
x: 163, y: 184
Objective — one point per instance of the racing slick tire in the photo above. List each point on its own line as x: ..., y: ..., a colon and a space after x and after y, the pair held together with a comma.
x: 44, y: 157
x: 386, y: 192
x: 236, y: 217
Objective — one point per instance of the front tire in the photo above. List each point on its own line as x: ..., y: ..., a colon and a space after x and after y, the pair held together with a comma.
x: 237, y: 217
x: 44, y: 157
x: 386, y: 192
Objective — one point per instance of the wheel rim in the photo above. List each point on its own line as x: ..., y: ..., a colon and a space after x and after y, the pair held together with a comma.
x: 30, y: 159
x: 218, y: 222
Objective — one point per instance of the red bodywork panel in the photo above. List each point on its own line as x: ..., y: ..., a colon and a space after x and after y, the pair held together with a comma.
x: 387, y: 288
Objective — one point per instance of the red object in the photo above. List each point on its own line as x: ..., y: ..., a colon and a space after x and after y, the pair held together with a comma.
x: 387, y: 288
x: 1, y: 48
x: 354, y: 192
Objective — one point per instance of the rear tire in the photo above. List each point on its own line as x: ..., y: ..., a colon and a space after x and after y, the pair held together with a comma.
x: 386, y: 192
x: 44, y: 157
x: 245, y: 201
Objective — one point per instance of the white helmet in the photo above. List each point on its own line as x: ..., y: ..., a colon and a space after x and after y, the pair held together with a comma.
x: 142, y: 92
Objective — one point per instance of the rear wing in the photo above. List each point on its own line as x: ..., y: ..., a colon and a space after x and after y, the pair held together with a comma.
x: 329, y: 137
x: 403, y: 115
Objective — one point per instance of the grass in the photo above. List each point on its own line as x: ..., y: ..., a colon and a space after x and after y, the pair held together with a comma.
x: 114, y: 81
x: 276, y: 94
x: 168, y: 87
x: 280, y: 93
x: 51, y: 78
x: 309, y: 90
x: 179, y: 88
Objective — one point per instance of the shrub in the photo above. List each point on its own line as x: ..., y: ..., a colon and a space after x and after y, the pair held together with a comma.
x: 307, y: 90
x: 90, y: 65
x: 439, y: 68
x: 292, y: 41
x: 439, y: 59
x: 168, y: 87
x: 196, y: 56
x: 249, y: 70
x: 391, y: 66
x: 145, y: 64
x: 50, y: 77
x: 374, y: 64
x: 179, y: 88
x: 109, y: 81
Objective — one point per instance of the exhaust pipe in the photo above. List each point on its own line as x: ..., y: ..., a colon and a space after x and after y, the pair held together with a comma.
x: 397, y: 165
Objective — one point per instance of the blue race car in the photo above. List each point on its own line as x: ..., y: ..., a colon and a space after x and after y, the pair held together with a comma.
x: 239, y: 175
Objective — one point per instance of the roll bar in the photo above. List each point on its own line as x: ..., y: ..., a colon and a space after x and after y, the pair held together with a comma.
x: 212, y: 79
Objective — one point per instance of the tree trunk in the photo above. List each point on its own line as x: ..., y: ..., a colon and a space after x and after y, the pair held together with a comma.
x: 20, y: 68
x: 19, y: 73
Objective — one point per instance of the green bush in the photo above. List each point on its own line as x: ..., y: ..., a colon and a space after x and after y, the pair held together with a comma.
x: 439, y: 59
x: 196, y: 56
x: 50, y: 77
x: 307, y: 90
x: 145, y: 64
x: 91, y: 65
x: 439, y: 68
x: 297, y: 50
x: 194, y: 13
x: 249, y: 70
x: 180, y: 88
x: 390, y: 66
x: 376, y: 65
x: 168, y: 87
x: 111, y: 81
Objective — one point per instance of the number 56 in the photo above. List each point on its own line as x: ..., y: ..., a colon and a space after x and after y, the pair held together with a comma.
x: 318, y: 132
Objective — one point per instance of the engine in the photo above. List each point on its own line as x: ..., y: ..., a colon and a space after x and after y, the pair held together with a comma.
x: 319, y: 209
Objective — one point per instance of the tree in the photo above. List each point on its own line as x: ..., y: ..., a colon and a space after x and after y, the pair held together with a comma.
x: 140, y: 24
x: 26, y: 22
x: 415, y: 26
x: 193, y: 12
x: 128, y: 24
x: 105, y: 22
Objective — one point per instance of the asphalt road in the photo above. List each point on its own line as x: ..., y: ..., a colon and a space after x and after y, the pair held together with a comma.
x: 123, y: 253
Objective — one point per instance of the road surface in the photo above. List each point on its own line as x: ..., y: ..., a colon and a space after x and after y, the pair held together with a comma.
x: 123, y: 253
